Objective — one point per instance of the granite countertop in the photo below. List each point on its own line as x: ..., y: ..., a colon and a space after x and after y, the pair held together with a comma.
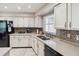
x: 62, y: 47
x: 4, y: 50
x: 59, y: 45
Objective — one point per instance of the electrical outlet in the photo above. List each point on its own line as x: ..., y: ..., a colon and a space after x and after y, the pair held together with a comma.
x: 68, y: 35
x: 77, y: 37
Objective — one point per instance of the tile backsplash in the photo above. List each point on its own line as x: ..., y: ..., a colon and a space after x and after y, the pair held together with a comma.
x: 27, y: 30
x: 68, y: 35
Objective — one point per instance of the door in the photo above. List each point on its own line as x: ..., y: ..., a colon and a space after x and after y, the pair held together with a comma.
x: 75, y: 16
x: 61, y: 16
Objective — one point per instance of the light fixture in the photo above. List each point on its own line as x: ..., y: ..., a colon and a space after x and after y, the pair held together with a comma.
x: 29, y: 6
x: 5, y: 7
x: 19, y: 8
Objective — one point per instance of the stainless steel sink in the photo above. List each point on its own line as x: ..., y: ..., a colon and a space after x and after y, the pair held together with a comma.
x: 43, y: 37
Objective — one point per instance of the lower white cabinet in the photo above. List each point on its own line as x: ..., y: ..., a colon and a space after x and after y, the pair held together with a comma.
x: 35, y: 45
x: 19, y: 41
x: 27, y: 41
x: 40, y: 48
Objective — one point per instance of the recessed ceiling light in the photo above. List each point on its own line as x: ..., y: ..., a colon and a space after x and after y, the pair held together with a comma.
x: 5, y: 7
x: 29, y: 6
x: 19, y: 8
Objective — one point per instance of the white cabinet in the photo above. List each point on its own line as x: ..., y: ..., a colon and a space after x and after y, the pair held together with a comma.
x: 61, y: 16
x: 38, y: 21
x: 31, y: 22
x: 19, y: 41
x: 40, y: 48
x: 23, y: 41
x: 25, y: 22
x: 67, y: 16
x: 15, y: 20
x: 6, y: 18
x: 75, y: 16
x: 34, y: 44
x: 20, y: 21
x: 1, y: 18
x: 13, y: 41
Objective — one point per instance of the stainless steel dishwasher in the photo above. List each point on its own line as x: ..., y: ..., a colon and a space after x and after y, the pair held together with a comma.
x: 51, y: 52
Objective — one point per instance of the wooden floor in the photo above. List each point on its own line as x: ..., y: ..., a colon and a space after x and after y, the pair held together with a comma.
x: 22, y: 52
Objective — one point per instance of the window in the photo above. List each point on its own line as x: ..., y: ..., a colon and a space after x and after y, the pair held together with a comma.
x: 48, y: 24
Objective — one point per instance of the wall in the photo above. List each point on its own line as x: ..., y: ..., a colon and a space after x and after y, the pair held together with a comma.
x: 46, y: 9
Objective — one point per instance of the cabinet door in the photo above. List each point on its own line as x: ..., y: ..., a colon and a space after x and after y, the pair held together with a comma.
x: 75, y: 16
x: 31, y: 22
x: 23, y: 41
x: 30, y: 41
x: 35, y: 45
x: 8, y: 18
x: 20, y: 21
x: 13, y: 41
x: 40, y: 48
x: 25, y: 22
x: 38, y: 21
x: 1, y: 18
x: 15, y: 20
x: 61, y: 16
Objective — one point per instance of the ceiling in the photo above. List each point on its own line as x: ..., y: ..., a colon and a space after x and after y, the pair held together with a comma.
x: 21, y: 7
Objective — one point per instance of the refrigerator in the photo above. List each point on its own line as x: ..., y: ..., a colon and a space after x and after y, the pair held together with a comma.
x: 6, y: 28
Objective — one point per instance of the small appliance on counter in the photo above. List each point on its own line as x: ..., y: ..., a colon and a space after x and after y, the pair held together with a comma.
x: 6, y: 28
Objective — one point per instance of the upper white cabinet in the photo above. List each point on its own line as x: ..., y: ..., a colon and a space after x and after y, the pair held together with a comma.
x: 38, y: 21
x: 60, y: 16
x: 75, y: 16
x: 6, y: 18
x: 30, y: 22
x: 67, y: 16
x: 25, y: 21
x: 20, y: 22
x: 15, y: 20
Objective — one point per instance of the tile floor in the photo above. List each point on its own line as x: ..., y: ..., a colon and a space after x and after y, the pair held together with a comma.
x: 22, y: 52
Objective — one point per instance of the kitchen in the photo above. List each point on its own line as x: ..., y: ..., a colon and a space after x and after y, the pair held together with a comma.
x: 39, y: 29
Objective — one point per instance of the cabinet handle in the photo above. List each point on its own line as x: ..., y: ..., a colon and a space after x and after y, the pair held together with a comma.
x: 65, y: 24
x: 70, y: 24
